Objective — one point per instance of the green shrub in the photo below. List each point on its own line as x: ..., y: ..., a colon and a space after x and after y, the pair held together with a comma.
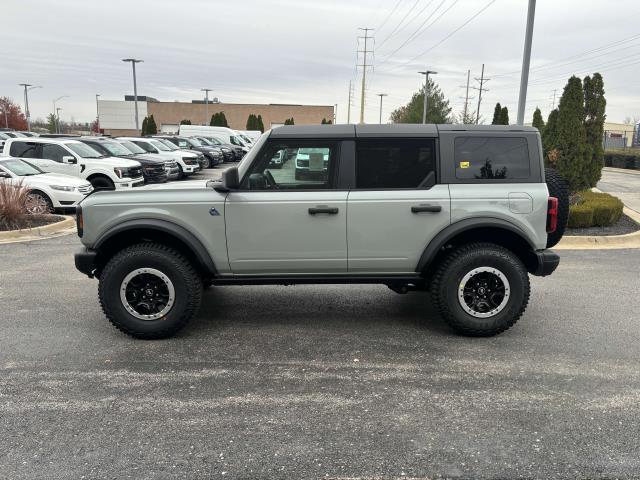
x: 580, y: 216
x: 595, y: 209
x: 622, y: 159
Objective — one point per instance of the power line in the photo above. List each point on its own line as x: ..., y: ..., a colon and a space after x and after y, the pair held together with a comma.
x: 393, y: 10
x: 400, y: 23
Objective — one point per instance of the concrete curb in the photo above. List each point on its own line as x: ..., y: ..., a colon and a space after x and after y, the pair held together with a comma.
x: 64, y: 227
x: 622, y: 170
x: 630, y: 240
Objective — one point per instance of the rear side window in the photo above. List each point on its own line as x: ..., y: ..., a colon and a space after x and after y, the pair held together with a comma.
x: 24, y: 149
x: 491, y: 158
x: 395, y: 163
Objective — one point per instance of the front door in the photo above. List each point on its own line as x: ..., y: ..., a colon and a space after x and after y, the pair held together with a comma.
x: 60, y: 160
x: 397, y: 206
x: 287, y: 218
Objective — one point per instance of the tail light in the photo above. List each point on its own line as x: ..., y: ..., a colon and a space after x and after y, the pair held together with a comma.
x: 552, y: 214
x: 79, y: 221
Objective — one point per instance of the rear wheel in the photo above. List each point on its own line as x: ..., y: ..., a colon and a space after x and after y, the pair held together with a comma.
x: 149, y: 291
x: 558, y: 188
x: 481, y: 289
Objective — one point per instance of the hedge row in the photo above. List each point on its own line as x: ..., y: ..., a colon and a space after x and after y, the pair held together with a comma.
x: 629, y: 160
x: 595, y: 210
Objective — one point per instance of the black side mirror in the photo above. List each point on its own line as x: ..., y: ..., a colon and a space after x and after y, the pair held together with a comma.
x: 230, y: 180
x: 4, y: 174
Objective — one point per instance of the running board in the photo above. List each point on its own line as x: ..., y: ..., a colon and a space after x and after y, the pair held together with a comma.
x: 317, y: 279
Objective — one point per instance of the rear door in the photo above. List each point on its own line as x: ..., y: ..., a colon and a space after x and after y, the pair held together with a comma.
x: 280, y: 222
x: 397, y: 206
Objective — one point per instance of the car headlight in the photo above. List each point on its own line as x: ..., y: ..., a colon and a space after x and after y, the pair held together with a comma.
x: 62, y: 188
x: 122, y: 172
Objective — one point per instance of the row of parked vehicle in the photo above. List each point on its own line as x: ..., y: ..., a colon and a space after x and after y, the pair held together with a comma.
x: 60, y: 170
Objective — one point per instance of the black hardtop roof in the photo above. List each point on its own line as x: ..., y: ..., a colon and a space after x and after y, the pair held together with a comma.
x: 387, y: 130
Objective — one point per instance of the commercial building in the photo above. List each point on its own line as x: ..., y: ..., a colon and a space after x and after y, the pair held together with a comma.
x: 117, y: 117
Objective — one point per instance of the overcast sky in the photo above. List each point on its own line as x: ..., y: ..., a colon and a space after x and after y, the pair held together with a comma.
x: 304, y: 51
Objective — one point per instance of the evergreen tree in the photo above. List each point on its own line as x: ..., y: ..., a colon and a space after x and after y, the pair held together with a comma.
x: 289, y: 121
x: 497, y: 115
x: 538, y: 122
x: 185, y: 122
x: 571, y: 138
x: 504, y: 116
x: 219, y: 120
x: 223, y: 120
x: 550, y: 133
x: 145, y: 126
x: 252, y: 120
x: 151, y: 126
x: 214, y: 119
x: 51, y: 123
x: 594, y: 107
x: 324, y: 121
x: 259, y: 124
x: 439, y: 110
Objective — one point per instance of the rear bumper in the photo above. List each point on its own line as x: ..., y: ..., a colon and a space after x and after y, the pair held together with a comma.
x: 548, y: 261
x: 85, y: 261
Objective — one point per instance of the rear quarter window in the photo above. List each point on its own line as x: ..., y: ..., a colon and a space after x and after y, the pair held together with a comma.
x: 491, y: 158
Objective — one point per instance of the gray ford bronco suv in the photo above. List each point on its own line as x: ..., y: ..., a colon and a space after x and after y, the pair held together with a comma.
x: 464, y: 212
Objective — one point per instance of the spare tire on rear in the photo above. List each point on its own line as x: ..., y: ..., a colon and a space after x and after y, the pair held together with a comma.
x: 558, y: 188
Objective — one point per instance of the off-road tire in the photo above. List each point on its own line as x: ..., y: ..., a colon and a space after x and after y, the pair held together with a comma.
x: 186, y: 281
x: 449, y: 274
x: 558, y: 188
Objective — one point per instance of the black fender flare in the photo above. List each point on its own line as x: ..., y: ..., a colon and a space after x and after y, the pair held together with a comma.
x: 454, y: 229
x: 181, y: 233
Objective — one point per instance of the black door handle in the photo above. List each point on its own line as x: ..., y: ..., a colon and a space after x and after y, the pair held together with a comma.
x: 426, y: 208
x: 328, y: 210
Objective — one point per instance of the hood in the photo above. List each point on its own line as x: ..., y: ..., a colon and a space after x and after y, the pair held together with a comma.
x: 113, y: 162
x: 55, y: 179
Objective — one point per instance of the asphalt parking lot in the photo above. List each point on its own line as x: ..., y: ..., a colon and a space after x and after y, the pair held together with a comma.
x: 319, y: 381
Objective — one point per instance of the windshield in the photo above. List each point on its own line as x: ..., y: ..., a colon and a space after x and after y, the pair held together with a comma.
x: 132, y: 147
x: 205, y: 142
x: 21, y: 168
x: 84, y: 151
x: 159, y: 145
x: 245, y: 138
x: 194, y: 142
x: 115, y: 149
x: 170, y: 145
x: 236, y: 140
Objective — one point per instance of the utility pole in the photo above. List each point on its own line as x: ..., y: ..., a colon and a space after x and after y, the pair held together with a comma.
x: 526, y: 59
x: 56, y: 116
x: 426, y: 74
x: 466, y: 97
x: 349, y: 103
x: 335, y: 113
x: 27, y: 114
x: 135, y: 87
x: 364, y: 69
x: 480, y: 89
x: 58, y: 129
x: 381, y: 95
x: 97, y: 114
x: 206, y: 104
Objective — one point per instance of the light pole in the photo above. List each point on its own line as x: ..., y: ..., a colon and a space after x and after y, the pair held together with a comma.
x: 135, y: 87
x: 426, y: 74
x: 381, y: 95
x: 27, y: 87
x: 56, y: 118
x: 206, y: 104
x: 526, y: 58
x: 97, y: 114
x: 58, y: 129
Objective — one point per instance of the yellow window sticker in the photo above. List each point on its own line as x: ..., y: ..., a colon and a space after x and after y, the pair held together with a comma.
x: 464, y: 164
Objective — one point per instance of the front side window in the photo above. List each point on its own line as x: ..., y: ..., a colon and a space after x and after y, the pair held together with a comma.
x: 114, y: 149
x: 292, y: 166
x: 491, y: 158
x: 147, y: 147
x: 24, y: 149
x: 132, y: 147
x: 395, y: 163
x: 159, y: 145
x: 170, y: 145
x: 54, y: 152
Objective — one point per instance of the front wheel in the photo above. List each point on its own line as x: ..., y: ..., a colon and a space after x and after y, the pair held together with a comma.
x: 149, y: 291
x: 38, y: 203
x: 481, y: 289
x: 102, y: 183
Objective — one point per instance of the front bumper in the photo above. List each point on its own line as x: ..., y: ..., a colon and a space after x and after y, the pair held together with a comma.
x: 190, y: 168
x: 156, y: 177
x: 128, y: 183
x: 67, y: 199
x: 547, y: 262
x: 85, y: 261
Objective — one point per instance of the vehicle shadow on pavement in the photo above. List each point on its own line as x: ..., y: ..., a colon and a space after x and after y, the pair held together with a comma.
x: 354, y: 307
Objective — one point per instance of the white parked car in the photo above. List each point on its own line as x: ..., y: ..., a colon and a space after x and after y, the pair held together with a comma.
x: 74, y: 158
x: 47, y: 191
x: 188, y: 162
x: 226, y: 135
